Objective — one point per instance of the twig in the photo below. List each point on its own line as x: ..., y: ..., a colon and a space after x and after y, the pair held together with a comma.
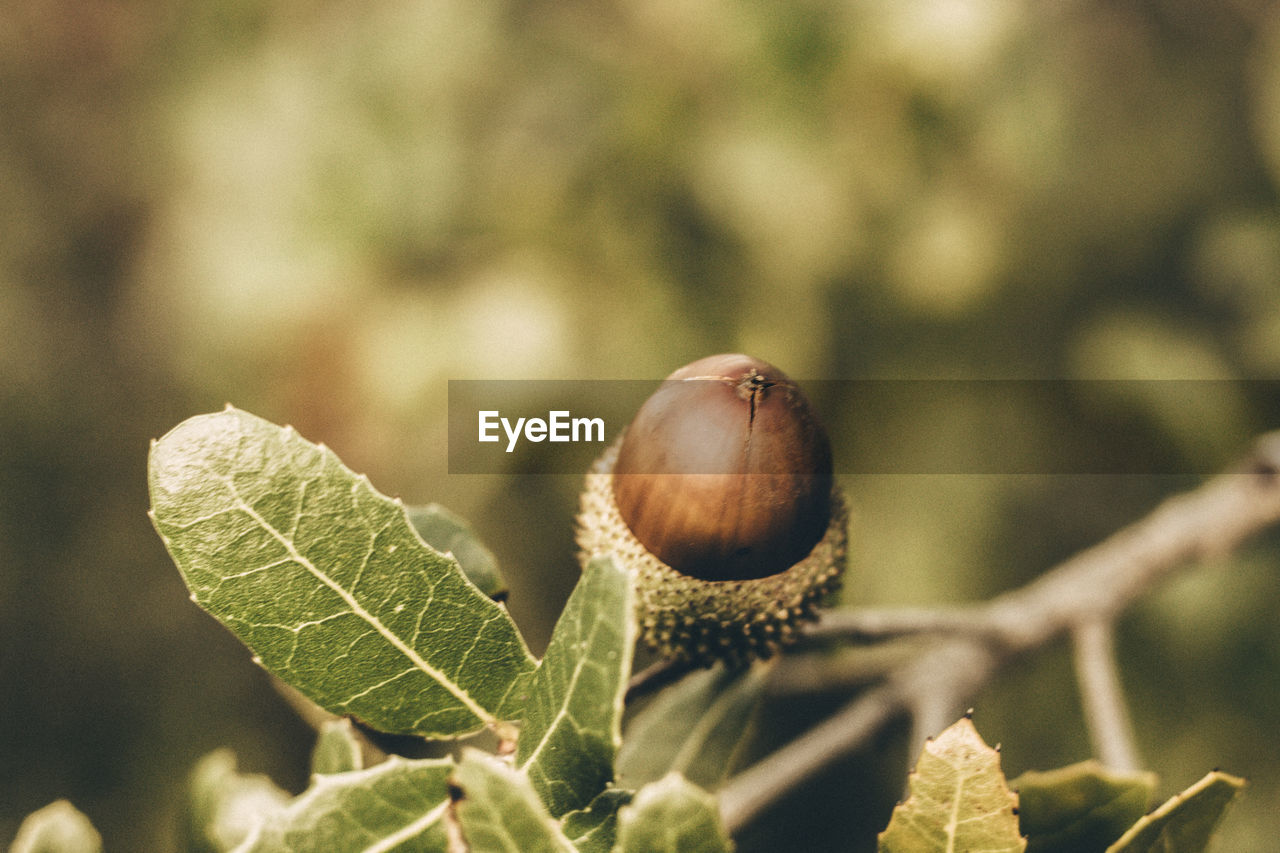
x: 890, y: 623
x: 840, y: 672
x: 1102, y: 696
x: 1092, y: 588
x: 954, y: 667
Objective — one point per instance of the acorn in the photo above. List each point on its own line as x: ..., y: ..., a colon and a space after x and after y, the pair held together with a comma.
x: 720, y: 501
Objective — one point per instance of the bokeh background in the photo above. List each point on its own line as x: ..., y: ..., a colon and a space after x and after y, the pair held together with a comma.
x: 323, y: 211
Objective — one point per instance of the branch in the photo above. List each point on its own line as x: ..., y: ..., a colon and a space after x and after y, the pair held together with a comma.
x: 971, y: 643
x: 1103, y: 698
x: 955, y: 667
x: 891, y: 623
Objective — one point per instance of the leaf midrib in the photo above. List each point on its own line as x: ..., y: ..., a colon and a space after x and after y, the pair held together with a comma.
x: 561, y: 713
x: 356, y: 608
x: 411, y: 830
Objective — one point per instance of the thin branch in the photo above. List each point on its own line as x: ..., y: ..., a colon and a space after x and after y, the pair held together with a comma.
x: 953, y: 667
x: 1105, y: 712
x: 1093, y: 587
x: 760, y: 785
x: 843, y: 671
x: 931, y: 712
x: 890, y: 623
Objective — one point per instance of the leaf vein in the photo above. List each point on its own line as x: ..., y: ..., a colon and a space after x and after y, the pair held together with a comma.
x: 358, y: 609
x: 415, y: 828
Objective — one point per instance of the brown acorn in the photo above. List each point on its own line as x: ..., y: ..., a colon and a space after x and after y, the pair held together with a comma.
x: 719, y: 499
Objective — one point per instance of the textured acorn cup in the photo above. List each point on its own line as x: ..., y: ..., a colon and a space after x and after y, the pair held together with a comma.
x: 720, y: 501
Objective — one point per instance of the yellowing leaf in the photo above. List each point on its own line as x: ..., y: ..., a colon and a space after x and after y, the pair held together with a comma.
x: 958, y: 800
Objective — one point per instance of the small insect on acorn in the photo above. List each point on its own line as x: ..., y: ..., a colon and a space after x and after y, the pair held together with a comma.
x: 720, y: 501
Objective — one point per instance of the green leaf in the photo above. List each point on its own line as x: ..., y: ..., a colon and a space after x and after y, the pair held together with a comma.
x: 595, y: 828
x: 672, y: 816
x: 499, y: 811
x: 225, y: 806
x: 57, y: 828
x: 1081, y: 807
x: 1185, y: 822
x: 337, y: 748
x: 572, y: 723
x: 448, y: 533
x: 327, y: 582
x: 694, y: 727
x: 958, y: 800
x: 398, y: 805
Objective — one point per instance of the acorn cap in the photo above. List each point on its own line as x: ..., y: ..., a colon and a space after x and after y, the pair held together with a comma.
x: 719, y: 500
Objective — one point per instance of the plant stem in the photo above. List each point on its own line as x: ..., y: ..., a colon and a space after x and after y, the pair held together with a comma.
x: 1105, y: 713
x: 889, y: 623
x: 953, y: 668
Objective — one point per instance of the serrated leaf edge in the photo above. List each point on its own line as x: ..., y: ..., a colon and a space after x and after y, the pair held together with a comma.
x: 962, y: 728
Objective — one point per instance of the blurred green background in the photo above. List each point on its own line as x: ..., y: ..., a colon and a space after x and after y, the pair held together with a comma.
x: 323, y: 211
